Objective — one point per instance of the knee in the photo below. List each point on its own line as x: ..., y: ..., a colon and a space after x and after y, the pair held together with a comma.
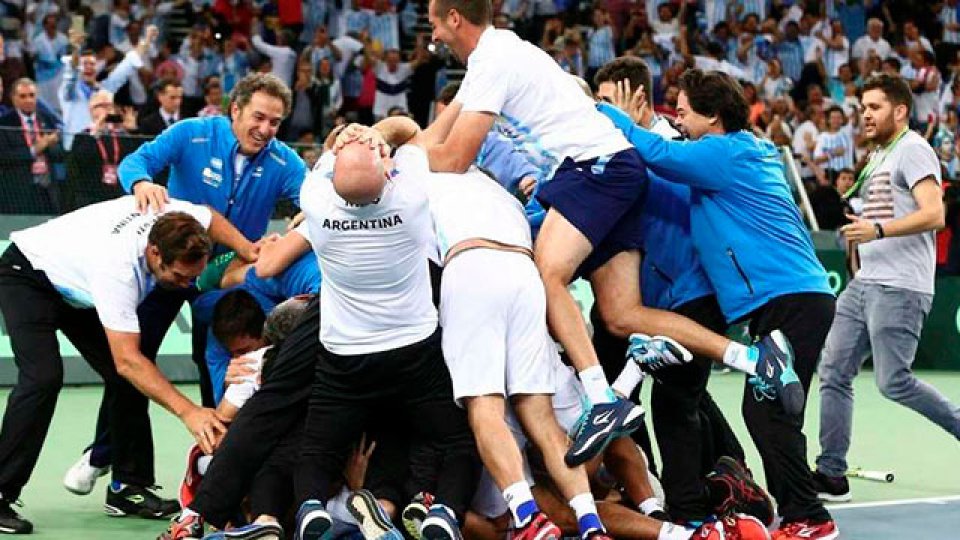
x: 897, y: 386
x: 44, y: 382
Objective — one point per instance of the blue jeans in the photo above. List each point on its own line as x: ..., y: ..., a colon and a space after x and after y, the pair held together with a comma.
x: 885, y: 321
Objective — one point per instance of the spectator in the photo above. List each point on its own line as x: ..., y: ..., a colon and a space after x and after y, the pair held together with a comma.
x: 393, y: 80
x: 835, y: 146
x: 756, y: 104
x: 775, y: 83
x: 570, y: 54
x: 320, y: 48
x: 213, y: 97
x: 600, y: 49
x: 891, y: 66
x: 385, y: 25
x: 912, y: 38
x: 838, y: 49
x: 828, y: 204
x: 80, y: 81
x: 312, y: 103
x: 790, y: 51
x: 925, y: 85
x: 805, y: 142
x: 135, y: 85
x: 283, y: 58
x: 48, y: 48
x: 871, y: 43
x: 949, y: 45
x: 170, y: 97
x: 235, y: 63
x: 666, y: 25
x: 423, y: 82
x: 836, y: 87
x: 30, y: 145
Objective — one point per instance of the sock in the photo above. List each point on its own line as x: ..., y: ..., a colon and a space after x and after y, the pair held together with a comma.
x: 650, y: 505
x: 116, y: 486
x: 521, y: 503
x: 741, y: 357
x: 672, y: 531
x: 596, y: 385
x: 203, y: 462
x: 628, y: 380
x: 585, y: 508
x: 186, y: 513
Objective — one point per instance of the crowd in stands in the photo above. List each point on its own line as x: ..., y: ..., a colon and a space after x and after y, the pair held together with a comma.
x: 801, y: 63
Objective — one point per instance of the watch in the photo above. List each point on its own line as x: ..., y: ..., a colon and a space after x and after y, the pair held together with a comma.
x: 879, y: 230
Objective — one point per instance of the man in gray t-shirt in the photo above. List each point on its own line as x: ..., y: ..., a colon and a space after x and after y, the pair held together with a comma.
x: 883, y: 308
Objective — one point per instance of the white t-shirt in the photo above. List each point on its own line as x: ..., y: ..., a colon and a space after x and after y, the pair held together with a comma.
x: 473, y: 205
x: 865, y: 44
x: 238, y: 394
x: 376, y: 293
x: 396, y: 83
x: 95, y: 257
x: 539, y: 105
x: 834, y: 58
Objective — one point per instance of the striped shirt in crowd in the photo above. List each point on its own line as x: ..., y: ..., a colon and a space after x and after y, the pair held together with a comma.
x: 828, y: 142
x: 385, y: 28
x: 754, y: 6
x: 358, y: 20
x: 601, y: 48
x: 790, y: 54
x: 714, y: 12
x: 948, y: 15
x: 834, y: 58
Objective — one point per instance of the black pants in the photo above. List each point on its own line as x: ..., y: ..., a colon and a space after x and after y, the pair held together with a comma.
x: 690, y: 428
x: 33, y: 311
x: 805, y: 320
x: 268, y: 417
x: 350, y: 394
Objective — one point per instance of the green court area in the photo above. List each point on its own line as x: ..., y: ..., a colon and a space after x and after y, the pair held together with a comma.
x: 922, y: 503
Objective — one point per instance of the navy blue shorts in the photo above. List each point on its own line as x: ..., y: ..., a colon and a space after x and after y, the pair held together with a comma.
x: 603, y: 198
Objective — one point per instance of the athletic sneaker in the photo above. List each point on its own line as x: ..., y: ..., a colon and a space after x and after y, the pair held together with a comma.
x: 539, y: 528
x: 253, y: 531
x: 183, y: 527
x: 82, y: 477
x: 313, y: 522
x: 11, y: 522
x: 653, y: 354
x: 831, y: 488
x: 138, y: 501
x: 374, y: 522
x: 415, y: 512
x: 440, y: 524
x: 733, y: 490
x: 805, y: 530
x: 732, y: 527
x: 604, y: 423
x: 775, y: 374
x: 191, y: 478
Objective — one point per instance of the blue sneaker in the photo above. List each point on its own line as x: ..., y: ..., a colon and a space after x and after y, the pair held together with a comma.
x: 440, y: 525
x: 254, y: 531
x: 374, y: 522
x: 775, y: 374
x: 655, y: 353
x: 604, y: 423
x: 313, y: 522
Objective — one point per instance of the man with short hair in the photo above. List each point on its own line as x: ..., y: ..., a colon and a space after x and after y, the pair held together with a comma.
x: 85, y: 274
x: 883, y: 308
x: 170, y: 97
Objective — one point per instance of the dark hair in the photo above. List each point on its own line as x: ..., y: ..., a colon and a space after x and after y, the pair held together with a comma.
x: 478, y: 12
x: 167, y: 83
x: 626, y: 67
x: 835, y: 108
x: 712, y: 93
x: 448, y: 92
x: 893, y: 61
x: 237, y: 314
x: 267, y: 83
x: 179, y: 237
x: 845, y: 170
x: 893, y: 86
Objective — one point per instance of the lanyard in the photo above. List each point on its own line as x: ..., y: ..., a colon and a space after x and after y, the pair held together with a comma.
x: 879, y: 156
x: 26, y: 132
x: 103, y: 150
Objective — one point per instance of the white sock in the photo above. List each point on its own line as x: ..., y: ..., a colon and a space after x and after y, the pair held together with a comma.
x: 185, y: 513
x: 650, y: 505
x: 596, y: 385
x: 741, y: 357
x: 203, y: 462
x: 588, y: 519
x: 628, y: 380
x: 520, y: 500
x: 672, y: 531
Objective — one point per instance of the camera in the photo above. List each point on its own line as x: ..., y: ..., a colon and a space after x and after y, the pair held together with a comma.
x: 114, y: 118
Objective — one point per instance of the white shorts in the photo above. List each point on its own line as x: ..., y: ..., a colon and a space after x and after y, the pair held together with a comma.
x: 493, y: 313
x: 568, y: 406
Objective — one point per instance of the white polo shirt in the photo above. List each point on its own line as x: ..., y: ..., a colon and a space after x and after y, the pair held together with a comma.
x: 473, y: 205
x: 95, y: 256
x: 539, y: 106
x: 376, y: 293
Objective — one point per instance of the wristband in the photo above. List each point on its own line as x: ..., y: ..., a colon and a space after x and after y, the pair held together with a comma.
x: 879, y: 230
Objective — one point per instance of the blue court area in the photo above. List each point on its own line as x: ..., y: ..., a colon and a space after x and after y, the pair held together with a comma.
x: 923, y: 503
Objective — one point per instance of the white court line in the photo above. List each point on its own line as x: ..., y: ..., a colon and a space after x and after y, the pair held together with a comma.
x: 877, y: 504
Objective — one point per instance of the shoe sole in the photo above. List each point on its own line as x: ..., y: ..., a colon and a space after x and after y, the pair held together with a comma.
x: 732, y: 467
x: 438, y: 529
x: 631, y: 423
x: 363, y: 506
x: 413, y: 516
x: 829, y: 497
x: 311, y: 529
x: 113, y: 511
x: 267, y: 531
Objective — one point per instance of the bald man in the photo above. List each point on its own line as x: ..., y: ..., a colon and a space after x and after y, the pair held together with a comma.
x: 368, y: 221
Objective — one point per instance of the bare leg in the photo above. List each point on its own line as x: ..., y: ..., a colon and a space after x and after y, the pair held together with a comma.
x: 495, y: 443
x: 622, y: 523
x: 535, y: 412
x: 625, y: 463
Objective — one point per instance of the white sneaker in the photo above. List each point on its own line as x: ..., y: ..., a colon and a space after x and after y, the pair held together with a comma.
x: 82, y: 477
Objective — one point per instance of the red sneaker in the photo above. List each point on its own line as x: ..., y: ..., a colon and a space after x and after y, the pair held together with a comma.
x: 539, y: 528
x: 183, y: 528
x: 805, y: 530
x: 744, y: 527
x: 191, y: 478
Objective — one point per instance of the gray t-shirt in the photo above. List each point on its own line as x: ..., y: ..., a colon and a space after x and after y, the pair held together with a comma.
x: 906, y: 262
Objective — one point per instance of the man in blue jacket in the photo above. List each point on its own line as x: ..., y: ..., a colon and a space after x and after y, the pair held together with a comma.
x: 234, y: 165
x: 760, y: 260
